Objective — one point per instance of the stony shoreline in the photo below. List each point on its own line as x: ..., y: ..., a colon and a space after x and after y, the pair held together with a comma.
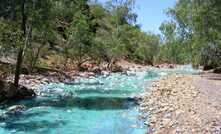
x: 178, y: 105
x: 34, y: 81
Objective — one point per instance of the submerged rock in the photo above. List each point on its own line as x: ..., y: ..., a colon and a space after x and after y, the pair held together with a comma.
x: 11, y: 112
x: 9, y: 92
x: 16, y: 109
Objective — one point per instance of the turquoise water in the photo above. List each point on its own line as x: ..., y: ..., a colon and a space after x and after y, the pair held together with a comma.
x: 100, y: 105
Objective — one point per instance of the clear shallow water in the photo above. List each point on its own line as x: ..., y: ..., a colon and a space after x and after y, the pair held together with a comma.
x: 102, y: 105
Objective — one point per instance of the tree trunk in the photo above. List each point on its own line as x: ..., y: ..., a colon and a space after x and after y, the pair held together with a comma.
x: 110, y: 64
x: 36, y: 57
x: 20, y: 57
x: 66, y: 56
x: 18, y: 67
x: 21, y: 50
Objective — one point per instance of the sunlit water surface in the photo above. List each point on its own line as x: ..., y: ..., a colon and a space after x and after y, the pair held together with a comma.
x: 101, y: 105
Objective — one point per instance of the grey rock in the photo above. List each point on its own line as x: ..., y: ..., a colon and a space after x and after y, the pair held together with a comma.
x: 16, y: 109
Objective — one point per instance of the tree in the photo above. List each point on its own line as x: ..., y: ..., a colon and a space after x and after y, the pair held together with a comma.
x: 76, y: 30
x: 199, y: 24
x: 24, y: 17
x: 79, y: 35
x: 148, y: 48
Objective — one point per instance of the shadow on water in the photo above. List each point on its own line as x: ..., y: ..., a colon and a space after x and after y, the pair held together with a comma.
x: 87, y: 103
x: 21, y: 116
x: 86, y: 84
x: 101, y: 91
x: 32, y: 126
x: 23, y: 122
x: 16, y: 122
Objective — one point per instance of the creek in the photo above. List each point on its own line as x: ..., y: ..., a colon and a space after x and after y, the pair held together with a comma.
x: 103, y: 104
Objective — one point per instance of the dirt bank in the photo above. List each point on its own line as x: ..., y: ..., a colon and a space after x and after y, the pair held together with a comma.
x: 183, y: 104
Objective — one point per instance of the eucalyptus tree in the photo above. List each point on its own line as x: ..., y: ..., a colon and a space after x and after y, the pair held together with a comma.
x: 79, y: 34
x: 199, y: 23
x: 118, y: 36
x: 110, y: 35
x: 43, y: 21
x: 170, y: 51
x: 25, y: 18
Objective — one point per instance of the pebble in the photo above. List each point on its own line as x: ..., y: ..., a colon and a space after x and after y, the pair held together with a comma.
x: 169, y: 104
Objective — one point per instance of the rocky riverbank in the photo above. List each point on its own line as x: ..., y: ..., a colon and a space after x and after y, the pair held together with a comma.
x: 30, y: 83
x: 180, y: 104
x: 9, y: 92
x: 33, y: 81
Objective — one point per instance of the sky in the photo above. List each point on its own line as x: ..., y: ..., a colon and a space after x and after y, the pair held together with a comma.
x: 151, y: 13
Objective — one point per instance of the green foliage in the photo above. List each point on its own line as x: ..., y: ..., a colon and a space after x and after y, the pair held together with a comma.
x: 148, y: 48
x: 173, y: 49
x: 76, y: 30
x: 82, y: 30
x: 199, y: 29
x: 79, y: 38
x: 10, y: 38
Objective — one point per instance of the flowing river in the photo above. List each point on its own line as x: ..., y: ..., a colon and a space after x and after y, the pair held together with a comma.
x: 101, y: 105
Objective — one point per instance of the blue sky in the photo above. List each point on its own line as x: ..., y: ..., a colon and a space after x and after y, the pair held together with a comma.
x: 151, y: 13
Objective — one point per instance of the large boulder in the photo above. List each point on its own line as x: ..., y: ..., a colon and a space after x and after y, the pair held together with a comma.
x: 208, y: 67
x: 217, y: 70
x: 8, y: 92
x: 116, y: 69
x: 96, y: 70
x: 16, y: 109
